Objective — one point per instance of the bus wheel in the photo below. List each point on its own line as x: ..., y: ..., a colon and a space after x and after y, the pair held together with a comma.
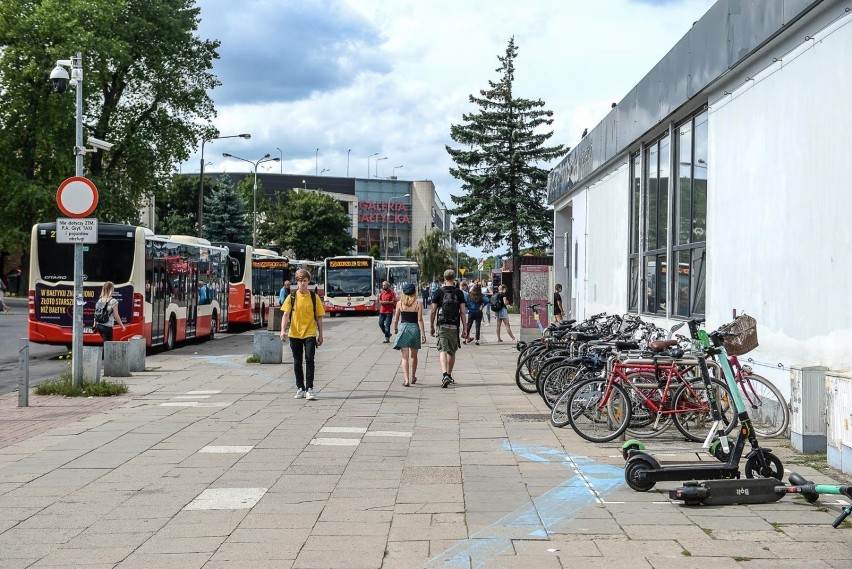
x: 172, y: 331
x: 214, y: 325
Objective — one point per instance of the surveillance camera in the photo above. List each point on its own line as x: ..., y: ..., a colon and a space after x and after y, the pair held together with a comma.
x: 99, y: 144
x: 59, y: 79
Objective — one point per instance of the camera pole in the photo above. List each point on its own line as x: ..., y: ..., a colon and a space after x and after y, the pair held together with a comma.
x: 79, y: 301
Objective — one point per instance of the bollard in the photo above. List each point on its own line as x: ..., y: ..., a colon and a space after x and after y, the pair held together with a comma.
x: 24, y: 370
x: 136, y: 353
x: 115, y: 359
x: 268, y: 347
x: 92, y: 363
x: 274, y: 320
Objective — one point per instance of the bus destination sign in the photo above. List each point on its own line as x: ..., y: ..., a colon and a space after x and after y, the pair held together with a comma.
x: 349, y: 264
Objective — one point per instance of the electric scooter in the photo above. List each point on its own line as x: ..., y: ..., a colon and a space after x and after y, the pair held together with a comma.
x: 642, y: 470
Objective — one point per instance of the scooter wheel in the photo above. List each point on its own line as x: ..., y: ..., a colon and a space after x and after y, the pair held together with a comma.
x: 773, y: 468
x: 632, y: 475
x: 718, y: 452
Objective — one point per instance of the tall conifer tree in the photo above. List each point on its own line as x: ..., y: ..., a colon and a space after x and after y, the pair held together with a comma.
x: 505, y: 189
x: 226, y: 218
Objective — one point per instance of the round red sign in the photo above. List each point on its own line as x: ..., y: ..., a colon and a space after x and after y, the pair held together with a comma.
x: 77, y: 197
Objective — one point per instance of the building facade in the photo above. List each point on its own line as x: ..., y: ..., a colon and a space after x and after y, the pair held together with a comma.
x: 720, y: 182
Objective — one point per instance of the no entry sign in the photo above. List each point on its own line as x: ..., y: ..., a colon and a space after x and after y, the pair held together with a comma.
x: 77, y: 197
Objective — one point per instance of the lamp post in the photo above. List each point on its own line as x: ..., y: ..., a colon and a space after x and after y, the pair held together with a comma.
x: 387, y: 221
x: 347, y: 162
x: 377, y: 164
x: 281, y: 156
x: 316, y: 164
x: 255, y: 164
x: 368, y: 163
x: 201, y: 186
x: 393, y: 172
x: 324, y: 170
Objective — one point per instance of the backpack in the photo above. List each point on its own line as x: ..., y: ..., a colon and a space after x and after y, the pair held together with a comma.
x: 101, y: 312
x: 450, y: 311
x: 497, y: 303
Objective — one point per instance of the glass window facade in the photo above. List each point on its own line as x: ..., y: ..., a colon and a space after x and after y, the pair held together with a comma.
x: 384, y: 217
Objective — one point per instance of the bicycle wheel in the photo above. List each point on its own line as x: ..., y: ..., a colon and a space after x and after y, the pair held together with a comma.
x: 692, y: 413
x: 769, y: 412
x: 595, y: 419
x: 559, y: 412
x: 645, y: 422
x: 548, y: 364
x: 526, y: 372
x: 556, y: 382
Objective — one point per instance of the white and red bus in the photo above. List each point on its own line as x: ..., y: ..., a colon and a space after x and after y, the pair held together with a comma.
x: 317, y: 270
x: 401, y: 272
x: 256, y: 276
x: 352, y: 284
x: 169, y: 289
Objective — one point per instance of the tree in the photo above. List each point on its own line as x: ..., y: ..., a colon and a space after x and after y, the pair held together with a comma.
x: 313, y: 225
x: 176, y: 206
x: 432, y: 255
x: 146, y: 80
x: 505, y: 188
x: 374, y: 252
x: 226, y: 219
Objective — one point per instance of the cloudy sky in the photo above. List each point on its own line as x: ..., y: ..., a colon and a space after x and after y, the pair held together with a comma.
x: 392, y: 76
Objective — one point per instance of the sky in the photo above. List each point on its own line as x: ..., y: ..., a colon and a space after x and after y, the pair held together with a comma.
x: 312, y: 79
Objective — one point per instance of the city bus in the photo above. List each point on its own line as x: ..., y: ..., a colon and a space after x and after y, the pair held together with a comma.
x: 317, y: 270
x: 256, y: 276
x: 400, y: 272
x: 352, y: 284
x: 169, y: 289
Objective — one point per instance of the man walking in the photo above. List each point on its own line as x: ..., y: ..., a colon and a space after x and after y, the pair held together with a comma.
x: 302, y: 322
x: 387, y: 303
x: 449, y: 301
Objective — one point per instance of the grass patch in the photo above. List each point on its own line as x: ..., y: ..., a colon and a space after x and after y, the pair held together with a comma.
x: 845, y: 524
x: 777, y: 527
x: 738, y: 558
x: 816, y: 461
x: 686, y: 553
x: 65, y: 387
x: 253, y: 359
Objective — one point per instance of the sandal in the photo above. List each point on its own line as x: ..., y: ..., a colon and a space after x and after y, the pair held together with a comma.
x: 413, y: 380
x: 405, y: 384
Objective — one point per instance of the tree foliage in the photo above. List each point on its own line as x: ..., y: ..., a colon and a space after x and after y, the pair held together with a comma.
x: 433, y: 256
x: 497, y: 163
x: 146, y: 77
x: 313, y: 225
x: 225, y: 217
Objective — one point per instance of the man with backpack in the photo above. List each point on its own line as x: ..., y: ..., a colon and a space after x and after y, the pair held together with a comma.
x: 448, y: 300
x: 302, y: 323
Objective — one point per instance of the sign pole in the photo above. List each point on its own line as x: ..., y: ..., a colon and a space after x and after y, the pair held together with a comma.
x: 77, y: 336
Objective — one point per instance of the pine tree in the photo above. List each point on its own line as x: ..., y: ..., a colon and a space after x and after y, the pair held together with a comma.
x: 225, y: 218
x: 506, y: 191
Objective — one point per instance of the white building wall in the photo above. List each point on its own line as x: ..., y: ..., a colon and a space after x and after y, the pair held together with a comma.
x: 779, y: 202
x: 577, y: 277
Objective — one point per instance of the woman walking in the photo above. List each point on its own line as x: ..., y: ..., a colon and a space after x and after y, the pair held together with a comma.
x: 110, y: 305
x: 474, y: 303
x: 411, y: 334
x: 503, y: 312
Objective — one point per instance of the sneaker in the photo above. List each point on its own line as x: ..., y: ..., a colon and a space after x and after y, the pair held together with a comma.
x: 446, y: 380
x: 387, y: 341
x: 310, y: 394
x: 300, y: 394
x: 476, y: 343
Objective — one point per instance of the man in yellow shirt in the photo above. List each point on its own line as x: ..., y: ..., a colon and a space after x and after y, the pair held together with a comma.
x: 303, y: 314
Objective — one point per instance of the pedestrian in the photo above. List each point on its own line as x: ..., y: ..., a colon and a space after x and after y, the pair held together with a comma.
x: 486, y: 296
x: 558, y: 312
x: 302, y: 324
x: 411, y: 334
x: 424, y: 292
x: 499, y: 304
x: 449, y: 301
x: 284, y: 292
x: 106, y: 312
x: 387, y: 301
x: 3, y: 307
x: 474, y: 303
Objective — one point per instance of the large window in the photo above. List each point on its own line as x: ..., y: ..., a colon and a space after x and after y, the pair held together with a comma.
x: 656, y: 224
x: 635, y: 201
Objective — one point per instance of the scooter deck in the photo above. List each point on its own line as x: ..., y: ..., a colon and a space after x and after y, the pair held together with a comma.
x: 726, y: 492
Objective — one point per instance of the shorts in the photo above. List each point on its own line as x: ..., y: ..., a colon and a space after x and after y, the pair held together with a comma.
x: 448, y: 339
x: 504, y: 313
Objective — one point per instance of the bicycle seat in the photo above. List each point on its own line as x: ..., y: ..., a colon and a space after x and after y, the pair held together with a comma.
x: 619, y: 345
x: 660, y: 345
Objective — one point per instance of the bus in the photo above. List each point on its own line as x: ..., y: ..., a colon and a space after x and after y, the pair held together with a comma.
x: 256, y: 276
x: 400, y: 272
x: 169, y: 289
x: 352, y: 284
x: 317, y: 270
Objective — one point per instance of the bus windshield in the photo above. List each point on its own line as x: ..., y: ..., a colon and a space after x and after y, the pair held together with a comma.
x: 111, y: 260
x: 354, y: 281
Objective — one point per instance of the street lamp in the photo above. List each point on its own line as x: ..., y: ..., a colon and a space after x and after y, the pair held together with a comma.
x: 256, y: 163
x: 281, y: 156
x: 393, y: 172
x: 316, y: 163
x: 377, y: 164
x: 201, y: 186
x: 324, y: 170
x: 347, y: 162
x: 368, y: 163
x: 387, y: 221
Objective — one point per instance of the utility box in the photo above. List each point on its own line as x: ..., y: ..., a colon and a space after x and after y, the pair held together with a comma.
x: 268, y: 347
x: 807, y: 408
x: 838, y: 411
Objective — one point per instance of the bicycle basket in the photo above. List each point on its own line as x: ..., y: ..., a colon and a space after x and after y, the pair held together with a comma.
x: 742, y: 335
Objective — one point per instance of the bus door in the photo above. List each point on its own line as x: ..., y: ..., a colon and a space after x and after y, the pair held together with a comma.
x: 191, y: 298
x: 160, y: 292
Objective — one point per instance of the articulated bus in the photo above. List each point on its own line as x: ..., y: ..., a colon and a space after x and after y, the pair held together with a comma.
x: 256, y: 276
x: 401, y: 272
x: 169, y: 289
x: 317, y: 270
x: 352, y: 284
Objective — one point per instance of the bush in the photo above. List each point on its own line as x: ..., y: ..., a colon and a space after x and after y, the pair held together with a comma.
x: 253, y: 359
x: 64, y: 386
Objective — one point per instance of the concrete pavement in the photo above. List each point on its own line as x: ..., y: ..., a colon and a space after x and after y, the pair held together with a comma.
x: 210, y: 462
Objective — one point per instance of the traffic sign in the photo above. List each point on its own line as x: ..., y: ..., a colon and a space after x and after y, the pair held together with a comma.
x: 462, y: 271
x: 76, y: 230
x: 77, y: 197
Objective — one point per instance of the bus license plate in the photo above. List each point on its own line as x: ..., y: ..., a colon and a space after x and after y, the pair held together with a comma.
x: 349, y: 308
x: 87, y: 330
